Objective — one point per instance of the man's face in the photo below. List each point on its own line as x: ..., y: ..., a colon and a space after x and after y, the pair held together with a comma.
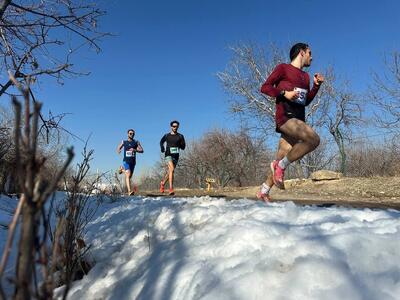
x: 307, y: 58
x: 174, y: 127
x: 131, y: 134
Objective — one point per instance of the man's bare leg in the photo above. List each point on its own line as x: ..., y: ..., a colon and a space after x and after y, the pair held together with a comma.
x: 284, y: 146
x: 128, y: 180
x: 168, y: 176
x: 307, y: 140
x: 171, y: 169
x: 300, y: 131
x: 164, y: 179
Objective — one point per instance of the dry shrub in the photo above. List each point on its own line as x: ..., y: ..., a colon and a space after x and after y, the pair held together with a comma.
x: 366, y: 159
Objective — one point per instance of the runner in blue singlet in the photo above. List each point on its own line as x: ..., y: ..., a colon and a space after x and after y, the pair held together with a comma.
x: 130, y: 146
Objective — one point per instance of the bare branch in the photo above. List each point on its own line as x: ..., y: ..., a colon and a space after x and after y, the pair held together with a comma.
x: 31, y: 31
x: 385, y: 94
x: 242, y: 80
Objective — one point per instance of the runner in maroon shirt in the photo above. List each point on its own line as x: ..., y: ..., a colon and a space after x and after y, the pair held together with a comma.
x: 290, y: 85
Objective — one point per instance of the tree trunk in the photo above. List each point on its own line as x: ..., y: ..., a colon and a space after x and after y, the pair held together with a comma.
x: 340, y: 143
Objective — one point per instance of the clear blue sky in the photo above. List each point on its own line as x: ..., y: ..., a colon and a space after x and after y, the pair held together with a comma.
x: 161, y: 64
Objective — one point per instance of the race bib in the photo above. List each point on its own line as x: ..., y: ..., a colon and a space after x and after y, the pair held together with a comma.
x: 174, y: 150
x: 302, y: 96
x: 129, y: 153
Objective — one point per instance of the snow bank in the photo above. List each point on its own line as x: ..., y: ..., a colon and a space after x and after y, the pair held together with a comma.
x: 204, y: 248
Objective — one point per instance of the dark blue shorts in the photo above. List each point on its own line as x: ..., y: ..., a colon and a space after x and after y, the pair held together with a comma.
x: 129, y: 166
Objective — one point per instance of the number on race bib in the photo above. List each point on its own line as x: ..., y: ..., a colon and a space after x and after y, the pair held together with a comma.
x: 302, y: 96
x: 129, y: 153
x: 174, y: 150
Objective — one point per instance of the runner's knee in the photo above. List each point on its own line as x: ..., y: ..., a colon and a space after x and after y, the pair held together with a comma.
x: 315, y: 140
x: 312, y: 140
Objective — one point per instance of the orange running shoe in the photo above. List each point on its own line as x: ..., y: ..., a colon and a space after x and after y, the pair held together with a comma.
x: 162, y: 187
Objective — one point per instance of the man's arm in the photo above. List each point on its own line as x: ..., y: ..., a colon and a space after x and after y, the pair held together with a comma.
x: 318, y: 79
x: 269, y: 86
x: 120, y: 147
x: 163, y: 140
x: 183, y: 143
x: 139, y: 148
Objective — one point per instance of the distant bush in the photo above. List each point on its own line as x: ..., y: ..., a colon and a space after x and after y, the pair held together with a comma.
x: 367, y: 159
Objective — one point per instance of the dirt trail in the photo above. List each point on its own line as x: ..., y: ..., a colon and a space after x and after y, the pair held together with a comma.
x: 376, y: 192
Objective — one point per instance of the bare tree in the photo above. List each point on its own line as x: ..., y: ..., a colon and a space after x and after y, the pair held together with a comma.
x: 336, y: 109
x: 385, y: 93
x: 5, y: 148
x: 39, y: 37
x: 242, y: 80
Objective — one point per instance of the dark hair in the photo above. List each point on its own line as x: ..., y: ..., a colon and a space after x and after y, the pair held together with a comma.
x: 131, y: 130
x: 174, y: 122
x: 295, y: 50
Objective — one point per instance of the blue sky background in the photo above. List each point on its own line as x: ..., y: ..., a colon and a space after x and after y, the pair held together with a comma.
x: 161, y: 64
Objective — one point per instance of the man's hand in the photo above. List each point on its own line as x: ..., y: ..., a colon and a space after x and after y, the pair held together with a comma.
x: 291, y: 95
x: 318, y: 79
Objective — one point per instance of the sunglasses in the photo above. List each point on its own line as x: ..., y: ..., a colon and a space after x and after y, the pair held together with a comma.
x: 174, y: 126
x: 131, y: 133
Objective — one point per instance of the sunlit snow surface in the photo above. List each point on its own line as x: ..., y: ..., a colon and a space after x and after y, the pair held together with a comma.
x: 206, y: 248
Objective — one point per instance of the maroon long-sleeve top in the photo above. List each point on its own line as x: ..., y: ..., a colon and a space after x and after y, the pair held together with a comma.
x: 286, y: 77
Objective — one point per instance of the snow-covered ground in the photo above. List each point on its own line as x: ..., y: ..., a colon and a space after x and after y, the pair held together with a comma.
x: 7, y: 208
x: 206, y: 248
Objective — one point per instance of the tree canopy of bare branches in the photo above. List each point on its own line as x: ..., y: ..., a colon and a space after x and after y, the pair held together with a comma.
x: 336, y: 109
x: 39, y: 37
x: 242, y: 80
x: 386, y: 93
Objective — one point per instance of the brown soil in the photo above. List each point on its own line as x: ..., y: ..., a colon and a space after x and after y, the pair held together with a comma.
x: 376, y: 192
